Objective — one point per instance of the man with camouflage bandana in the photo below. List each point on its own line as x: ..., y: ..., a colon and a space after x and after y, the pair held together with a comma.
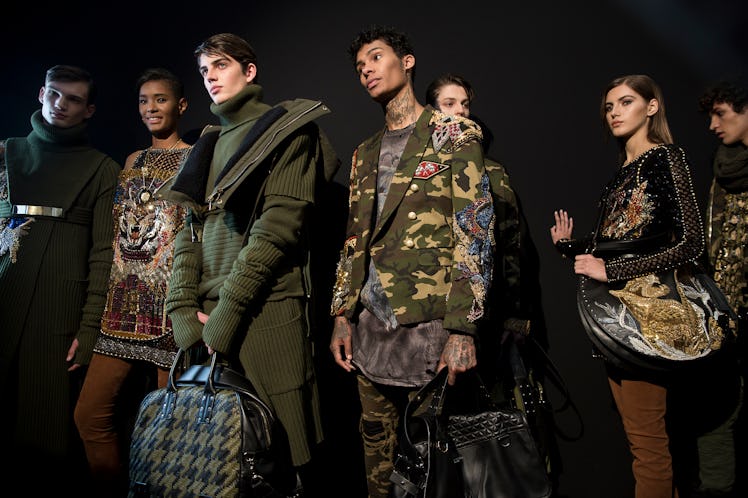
x: 417, y: 262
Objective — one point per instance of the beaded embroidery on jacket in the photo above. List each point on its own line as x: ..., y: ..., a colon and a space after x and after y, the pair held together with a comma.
x: 11, y: 228
x: 672, y: 191
x: 145, y: 230
x: 729, y: 263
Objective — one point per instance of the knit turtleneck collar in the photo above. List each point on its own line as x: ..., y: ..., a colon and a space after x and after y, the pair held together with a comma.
x: 51, y: 165
x: 244, y: 106
x: 731, y: 167
x: 45, y: 135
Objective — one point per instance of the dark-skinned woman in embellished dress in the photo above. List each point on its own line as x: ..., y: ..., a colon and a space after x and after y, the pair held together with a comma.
x: 136, y: 333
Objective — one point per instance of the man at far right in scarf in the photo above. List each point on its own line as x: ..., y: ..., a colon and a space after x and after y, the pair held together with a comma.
x: 717, y: 387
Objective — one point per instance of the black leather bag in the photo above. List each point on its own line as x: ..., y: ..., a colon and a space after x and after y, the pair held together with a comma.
x: 208, y: 434
x: 485, y: 453
x: 656, y: 322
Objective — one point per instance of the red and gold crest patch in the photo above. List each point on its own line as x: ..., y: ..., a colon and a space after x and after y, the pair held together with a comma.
x: 427, y: 169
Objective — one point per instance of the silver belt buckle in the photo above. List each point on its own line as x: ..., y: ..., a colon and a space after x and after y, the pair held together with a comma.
x: 38, y: 210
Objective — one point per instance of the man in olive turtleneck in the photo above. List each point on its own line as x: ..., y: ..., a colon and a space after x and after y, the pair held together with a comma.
x: 238, y: 281
x: 56, y: 194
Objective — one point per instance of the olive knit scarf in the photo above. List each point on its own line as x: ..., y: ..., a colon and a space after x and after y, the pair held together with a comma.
x: 731, y: 167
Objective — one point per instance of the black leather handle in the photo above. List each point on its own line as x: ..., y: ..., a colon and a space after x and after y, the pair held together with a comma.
x: 171, y: 384
x: 436, y: 389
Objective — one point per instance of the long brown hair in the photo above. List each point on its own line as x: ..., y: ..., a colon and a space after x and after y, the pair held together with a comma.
x: 659, y: 131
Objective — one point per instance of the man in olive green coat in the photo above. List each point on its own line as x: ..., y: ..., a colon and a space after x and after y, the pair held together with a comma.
x: 56, y: 195
x: 238, y: 280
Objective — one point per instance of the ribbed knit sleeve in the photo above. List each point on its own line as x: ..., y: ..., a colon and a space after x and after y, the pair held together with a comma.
x: 274, y: 234
x: 295, y: 171
x: 99, y: 262
x: 182, y: 302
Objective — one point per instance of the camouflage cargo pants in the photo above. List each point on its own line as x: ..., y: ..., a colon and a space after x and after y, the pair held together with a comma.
x: 381, y: 409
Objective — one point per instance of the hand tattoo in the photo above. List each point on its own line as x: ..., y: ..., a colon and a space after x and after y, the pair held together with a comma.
x: 459, y: 352
x: 341, y: 330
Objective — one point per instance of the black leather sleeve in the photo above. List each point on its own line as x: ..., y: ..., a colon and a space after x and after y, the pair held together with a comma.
x: 571, y: 247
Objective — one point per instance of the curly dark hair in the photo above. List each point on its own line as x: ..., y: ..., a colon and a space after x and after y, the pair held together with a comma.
x: 724, y: 92
x: 393, y: 37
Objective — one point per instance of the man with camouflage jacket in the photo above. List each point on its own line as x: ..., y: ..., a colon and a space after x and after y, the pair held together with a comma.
x: 416, y: 265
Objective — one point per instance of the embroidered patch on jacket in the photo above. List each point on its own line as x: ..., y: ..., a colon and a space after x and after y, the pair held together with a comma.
x: 343, y: 276
x: 11, y: 231
x: 443, y: 132
x: 474, y: 240
x: 352, y: 177
x: 427, y: 169
x: 457, y: 129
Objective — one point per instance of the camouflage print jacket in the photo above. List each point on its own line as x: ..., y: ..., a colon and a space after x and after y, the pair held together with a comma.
x: 432, y: 246
x: 505, y: 303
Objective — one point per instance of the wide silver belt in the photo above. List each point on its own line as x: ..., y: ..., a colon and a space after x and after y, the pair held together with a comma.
x: 37, y: 210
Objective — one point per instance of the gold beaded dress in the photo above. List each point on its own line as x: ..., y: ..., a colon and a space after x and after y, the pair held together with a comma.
x: 135, y: 325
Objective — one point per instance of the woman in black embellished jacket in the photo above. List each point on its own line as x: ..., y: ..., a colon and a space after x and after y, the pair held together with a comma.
x: 650, y: 204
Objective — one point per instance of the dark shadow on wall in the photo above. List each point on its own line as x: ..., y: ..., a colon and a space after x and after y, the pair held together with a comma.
x: 337, y: 469
x: 544, y: 376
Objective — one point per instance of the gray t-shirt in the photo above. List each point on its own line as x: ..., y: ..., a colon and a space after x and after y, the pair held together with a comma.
x: 372, y: 294
x: 384, y: 351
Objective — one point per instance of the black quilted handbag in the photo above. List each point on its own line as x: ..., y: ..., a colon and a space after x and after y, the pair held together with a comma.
x: 208, y: 434
x: 486, y: 453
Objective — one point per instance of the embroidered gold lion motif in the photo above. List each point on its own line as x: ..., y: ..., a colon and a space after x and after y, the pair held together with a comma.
x: 663, y: 321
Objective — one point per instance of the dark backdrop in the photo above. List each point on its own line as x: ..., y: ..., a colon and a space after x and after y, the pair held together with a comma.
x: 538, y: 68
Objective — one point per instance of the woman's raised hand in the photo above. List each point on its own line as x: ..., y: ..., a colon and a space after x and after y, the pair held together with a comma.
x: 564, y: 226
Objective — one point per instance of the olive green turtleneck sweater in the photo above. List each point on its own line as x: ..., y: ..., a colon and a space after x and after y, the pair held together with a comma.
x: 53, y: 288
x: 253, y: 292
x: 237, y: 115
x: 57, y: 167
x: 232, y: 276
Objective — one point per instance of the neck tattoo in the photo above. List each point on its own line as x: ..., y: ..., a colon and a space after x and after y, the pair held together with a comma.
x: 401, y: 111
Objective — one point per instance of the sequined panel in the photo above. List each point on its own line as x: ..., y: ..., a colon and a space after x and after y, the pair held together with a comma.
x: 135, y: 323
x: 729, y: 267
x: 12, y: 229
